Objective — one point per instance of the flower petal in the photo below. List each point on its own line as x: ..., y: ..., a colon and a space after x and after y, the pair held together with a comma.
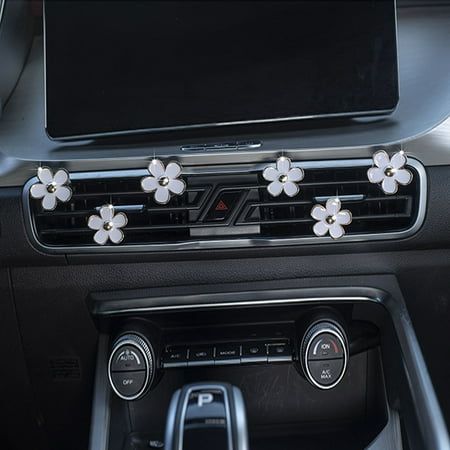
x: 45, y: 175
x: 381, y: 159
x: 296, y: 174
x: 398, y: 160
x: 283, y: 165
x: 271, y: 174
x: 290, y: 189
x: 176, y: 186
x: 49, y: 201
x: 107, y: 212
x: 116, y: 235
x: 156, y: 168
x: 63, y: 193
x: 149, y: 184
x: 120, y: 220
x: 344, y: 217
x: 403, y: 176
x: 61, y: 177
x: 333, y: 206
x: 95, y: 222
x: 320, y: 228
x: 375, y: 175
x: 173, y: 170
x: 162, y: 195
x: 336, y: 231
x: 101, y: 236
x: 38, y: 190
x: 319, y: 212
x: 389, y: 185
x: 275, y: 188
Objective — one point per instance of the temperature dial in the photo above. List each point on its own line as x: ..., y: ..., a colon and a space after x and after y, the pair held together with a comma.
x: 131, y: 366
x: 324, y: 354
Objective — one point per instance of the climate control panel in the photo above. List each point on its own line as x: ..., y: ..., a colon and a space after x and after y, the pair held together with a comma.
x: 317, y: 346
x: 220, y: 354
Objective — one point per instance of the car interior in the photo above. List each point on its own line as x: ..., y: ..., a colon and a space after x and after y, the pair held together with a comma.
x: 225, y: 225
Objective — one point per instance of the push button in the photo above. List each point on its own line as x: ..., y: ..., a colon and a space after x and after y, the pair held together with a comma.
x: 325, y: 346
x: 201, y: 356
x: 127, y: 357
x: 128, y: 384
x: 254, y: 352
x: 175, y: 357
x: 223, y: 206
x: 326, y: 372
x: 279, y: 352
x: 228, y: 354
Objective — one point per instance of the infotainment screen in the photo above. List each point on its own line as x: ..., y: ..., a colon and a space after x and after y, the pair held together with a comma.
x: 116, y: 67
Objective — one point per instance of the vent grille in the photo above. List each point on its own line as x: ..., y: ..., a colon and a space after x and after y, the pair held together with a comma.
x: 223, y: 207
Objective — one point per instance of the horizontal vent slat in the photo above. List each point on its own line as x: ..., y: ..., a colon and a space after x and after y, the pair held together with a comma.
x: 254, y: 214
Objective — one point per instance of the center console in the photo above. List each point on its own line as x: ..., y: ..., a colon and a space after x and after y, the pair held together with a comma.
x: 325, y: 364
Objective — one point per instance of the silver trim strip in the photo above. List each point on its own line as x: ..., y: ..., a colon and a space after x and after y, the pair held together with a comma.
x: 229, y: 242
x: 221, y: 146
x: 241, y: 419
x: 244, y: 303
x: 2, y: 8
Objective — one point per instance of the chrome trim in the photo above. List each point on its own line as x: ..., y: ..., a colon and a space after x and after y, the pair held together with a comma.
x: 2, y: 8
x: 348, y: 198
x: 221, y: 146
x: 229, y: 242
x: 305, y: 362
x: 227, y: 304
x: 241, y: 420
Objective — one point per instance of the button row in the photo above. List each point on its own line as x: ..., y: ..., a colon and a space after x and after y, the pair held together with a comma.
x: 224, y: 354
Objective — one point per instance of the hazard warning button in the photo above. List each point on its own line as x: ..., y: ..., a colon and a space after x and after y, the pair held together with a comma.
x: 222, y: 207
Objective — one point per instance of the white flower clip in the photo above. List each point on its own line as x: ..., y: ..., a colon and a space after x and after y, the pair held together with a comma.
x: 390, y: 172
x: 108, y: 225
x: 283, y: 178
x: 331, y: 218
x: 51, y: 188
x: 164, y: 181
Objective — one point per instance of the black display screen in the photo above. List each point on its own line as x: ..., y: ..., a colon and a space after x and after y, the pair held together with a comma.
x: 126, y: 66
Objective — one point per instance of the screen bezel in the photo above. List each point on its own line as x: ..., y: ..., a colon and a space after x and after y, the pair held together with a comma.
x: 211, y: 125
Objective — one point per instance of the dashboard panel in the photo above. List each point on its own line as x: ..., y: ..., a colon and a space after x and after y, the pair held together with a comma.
x: 261, y: 279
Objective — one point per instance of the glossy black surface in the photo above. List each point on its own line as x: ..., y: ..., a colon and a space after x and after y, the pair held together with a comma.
x: 152, y: 65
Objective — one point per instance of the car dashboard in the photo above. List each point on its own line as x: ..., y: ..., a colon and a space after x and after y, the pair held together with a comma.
x: 273, y: 284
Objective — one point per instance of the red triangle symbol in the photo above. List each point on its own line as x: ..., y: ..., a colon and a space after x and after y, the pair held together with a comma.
x: 221, y: 206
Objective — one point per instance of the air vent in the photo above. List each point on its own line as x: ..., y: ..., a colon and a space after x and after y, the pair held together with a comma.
x: 228, y: 208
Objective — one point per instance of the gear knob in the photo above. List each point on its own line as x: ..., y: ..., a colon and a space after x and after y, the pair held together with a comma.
x: 206, y: 416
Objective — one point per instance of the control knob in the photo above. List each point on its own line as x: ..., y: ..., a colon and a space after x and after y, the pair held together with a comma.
x: 324, y: 354
x: 131, y: 366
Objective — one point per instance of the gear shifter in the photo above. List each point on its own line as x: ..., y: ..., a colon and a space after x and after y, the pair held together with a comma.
x: 207, y: 416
